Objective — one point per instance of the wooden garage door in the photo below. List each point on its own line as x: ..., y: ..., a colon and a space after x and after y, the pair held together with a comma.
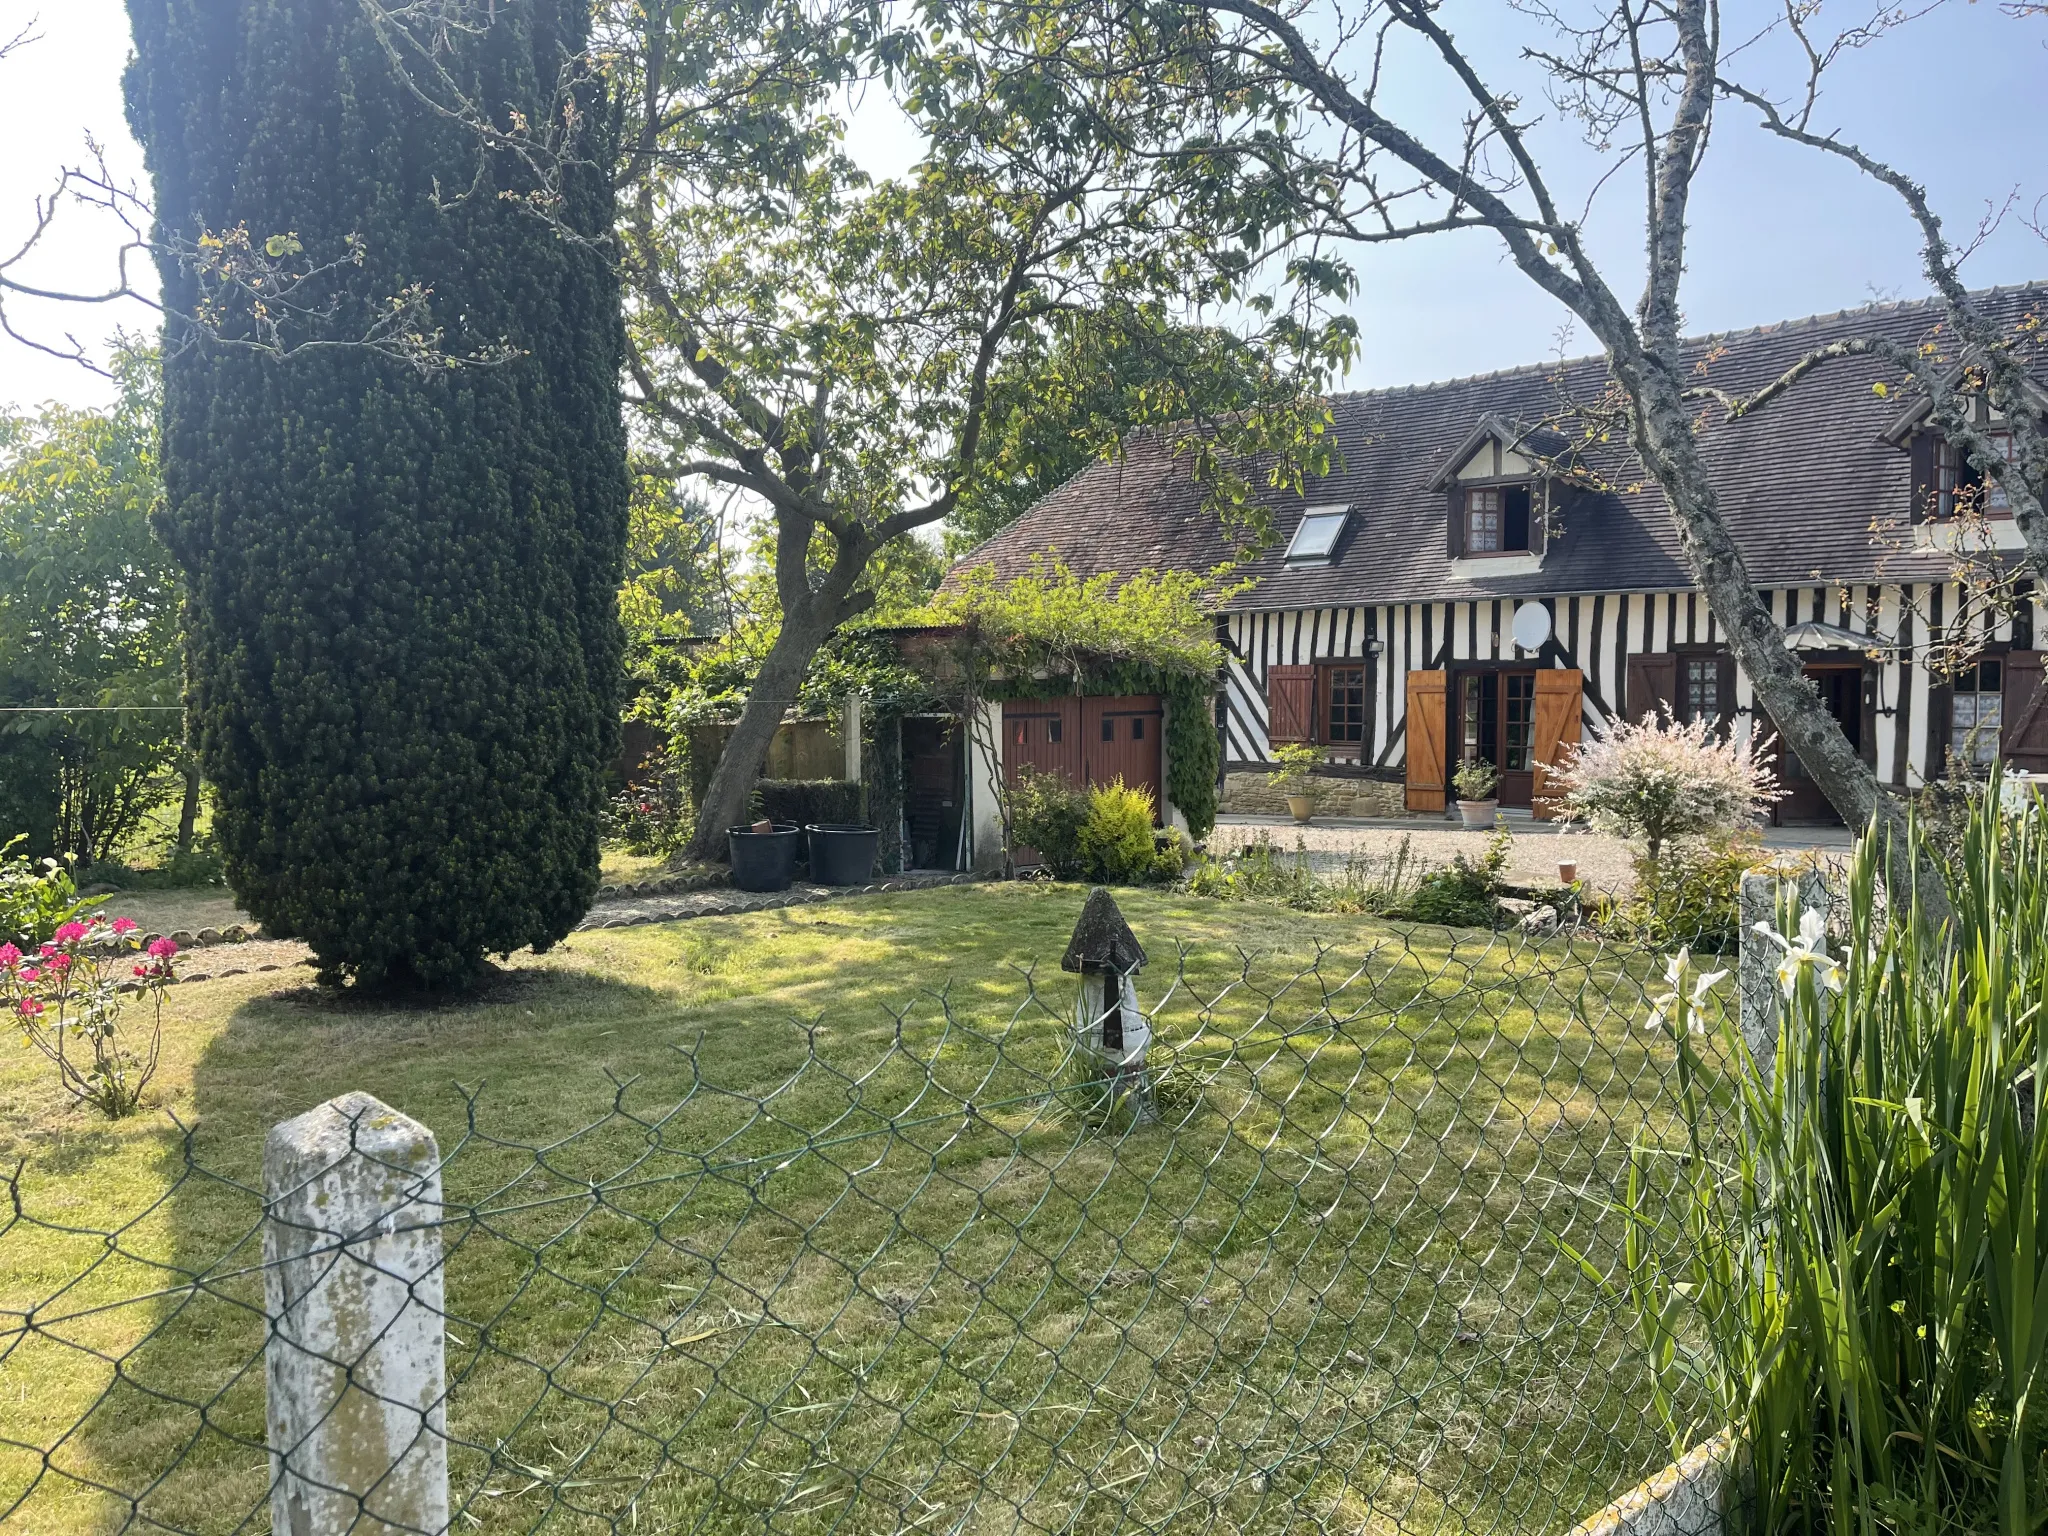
x: 1044, y: 734
x: 1120, y: 740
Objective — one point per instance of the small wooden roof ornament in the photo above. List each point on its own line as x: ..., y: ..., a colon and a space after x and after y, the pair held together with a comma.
x: 1102, y: 940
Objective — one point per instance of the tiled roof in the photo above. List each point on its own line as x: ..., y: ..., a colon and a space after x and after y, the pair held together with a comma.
x: 1802, y: 482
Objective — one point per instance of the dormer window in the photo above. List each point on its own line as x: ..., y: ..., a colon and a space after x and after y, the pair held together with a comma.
x: 1497, y: 520
x: 1315, y: 541
x: 1959, y: 486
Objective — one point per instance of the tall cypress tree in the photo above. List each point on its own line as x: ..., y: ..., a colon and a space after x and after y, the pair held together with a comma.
x: 403, y: 642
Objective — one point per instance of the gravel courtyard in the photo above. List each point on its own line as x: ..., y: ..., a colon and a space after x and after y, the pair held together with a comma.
x: 1537, y: 846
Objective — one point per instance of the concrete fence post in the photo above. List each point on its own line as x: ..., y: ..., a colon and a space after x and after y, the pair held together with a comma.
x: 356, y: 1361
x: 1769, y: 896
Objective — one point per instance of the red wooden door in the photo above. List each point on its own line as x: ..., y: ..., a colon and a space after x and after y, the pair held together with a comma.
x: 1043, y: 734
x: 1120, y: 740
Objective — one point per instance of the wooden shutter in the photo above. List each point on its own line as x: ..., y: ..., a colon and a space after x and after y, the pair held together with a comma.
x: 1290, y: 704
x: 1428, y: 717
x: 1560, y: 708
x: 1921, y: 449
x: 2024, y: 739
x: 1652, y: 685
x: 1454, y: 524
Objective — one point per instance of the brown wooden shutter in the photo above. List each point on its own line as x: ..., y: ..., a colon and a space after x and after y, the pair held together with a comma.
x: 1652, y: 684
x: 1560, y: 710
x: 1921, y: 447
x: 1290, y: 704
x: 1428, y: 704
x: 2024, y: 739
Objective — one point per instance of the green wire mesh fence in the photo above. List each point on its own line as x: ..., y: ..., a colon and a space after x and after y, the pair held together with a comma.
x: 1322, y: 1272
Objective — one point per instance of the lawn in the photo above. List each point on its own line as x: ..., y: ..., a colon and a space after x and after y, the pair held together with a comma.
x: 821, y: 1294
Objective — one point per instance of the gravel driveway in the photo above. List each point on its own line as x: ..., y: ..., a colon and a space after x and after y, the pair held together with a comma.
x: 1537, y: 846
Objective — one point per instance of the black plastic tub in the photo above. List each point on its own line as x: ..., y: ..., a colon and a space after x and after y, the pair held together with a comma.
x: 764, y: 861
x: 843, y: 855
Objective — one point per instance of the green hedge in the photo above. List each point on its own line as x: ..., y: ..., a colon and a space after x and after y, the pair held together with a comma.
x: 810, y: 802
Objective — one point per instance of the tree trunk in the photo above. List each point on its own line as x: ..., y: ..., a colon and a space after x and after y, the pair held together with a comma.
x: 1667, y: 445
x: 188, y: 813
x: 739, y: 766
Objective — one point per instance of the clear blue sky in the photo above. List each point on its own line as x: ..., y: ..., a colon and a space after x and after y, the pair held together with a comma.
x: 1959, y: 100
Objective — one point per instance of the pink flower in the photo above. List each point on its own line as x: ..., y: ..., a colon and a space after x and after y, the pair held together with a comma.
x: 163, y: 949
x: 70, y: 933
x: 10, y: 957
x: 125, y: 925
x: 142, y: 970
x: 47, y: 950
x: 60, y: 963
x: 31, y: 1007
x: 30, y: 973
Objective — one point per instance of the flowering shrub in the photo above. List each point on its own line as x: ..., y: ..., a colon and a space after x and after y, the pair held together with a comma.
x: 1658, y: 780
x: 66, y: 998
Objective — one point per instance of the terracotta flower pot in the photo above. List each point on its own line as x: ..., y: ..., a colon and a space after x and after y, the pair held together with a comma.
x: 1567, y: 871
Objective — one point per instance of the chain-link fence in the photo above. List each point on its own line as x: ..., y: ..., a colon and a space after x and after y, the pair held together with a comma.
x: 1324, y: 1269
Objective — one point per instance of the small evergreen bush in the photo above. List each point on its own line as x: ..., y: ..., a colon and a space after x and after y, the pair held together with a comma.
x: 1692, y: 896
x: 1116, y: 835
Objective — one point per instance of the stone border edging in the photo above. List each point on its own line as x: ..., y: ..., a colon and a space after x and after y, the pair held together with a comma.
x: 742, y: 902
x: 1685, y: 1499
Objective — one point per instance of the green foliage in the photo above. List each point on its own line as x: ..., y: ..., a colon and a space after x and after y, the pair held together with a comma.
x: 1294, y: 763
x: 88, y: 622
x: 1691, y: 893
x: 1259, y: 871
x: 1116, y: 835
x: 1475, y: 779
x: 1071, y: 392
x: 404, y: 640
x: 1845, y: 1247
x: 1046, y: 815
x: 1467, y: 893
x: 1103, y: 834
x: 1194, y: 747
x: 1048, y: 620
x: 37, y: 896
x: 810, y: 802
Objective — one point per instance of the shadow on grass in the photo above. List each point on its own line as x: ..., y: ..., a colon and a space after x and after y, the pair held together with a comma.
x: 838, y: 1266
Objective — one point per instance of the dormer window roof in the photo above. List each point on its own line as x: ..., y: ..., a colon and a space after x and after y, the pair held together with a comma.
x: 1497, y: 449
x: 1315, y: 540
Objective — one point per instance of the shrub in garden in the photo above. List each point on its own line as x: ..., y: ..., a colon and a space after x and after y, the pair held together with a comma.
x: 1115, y: 837
x: 1259, y: 871
x: 37, y: 896
x: 65, y: 996
x: 1046, y: 815
x: 1844, y: 1256
x: 1657, y: 780
x: 402, y: 546
x: 1467, y: 894
x: 1692, y: 895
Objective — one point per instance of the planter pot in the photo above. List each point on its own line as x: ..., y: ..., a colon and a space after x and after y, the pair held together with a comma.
x: 1567, y: 871
x: 1478, y: 814
x: 843, y: 855
x: 764, y: 861
x: 1301, y: 807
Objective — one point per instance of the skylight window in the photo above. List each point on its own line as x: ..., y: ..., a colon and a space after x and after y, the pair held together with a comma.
x: 1315, y: 541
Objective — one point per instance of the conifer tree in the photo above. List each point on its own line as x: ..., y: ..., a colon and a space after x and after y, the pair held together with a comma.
x: 395, y: 470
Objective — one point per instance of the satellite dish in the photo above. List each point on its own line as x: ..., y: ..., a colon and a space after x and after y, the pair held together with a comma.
x: 1532, y: 626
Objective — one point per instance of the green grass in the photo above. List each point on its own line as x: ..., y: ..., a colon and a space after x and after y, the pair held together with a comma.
x: 1322, y: 1294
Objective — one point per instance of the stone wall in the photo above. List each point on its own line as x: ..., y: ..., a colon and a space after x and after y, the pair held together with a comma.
x: 1248, y: 794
